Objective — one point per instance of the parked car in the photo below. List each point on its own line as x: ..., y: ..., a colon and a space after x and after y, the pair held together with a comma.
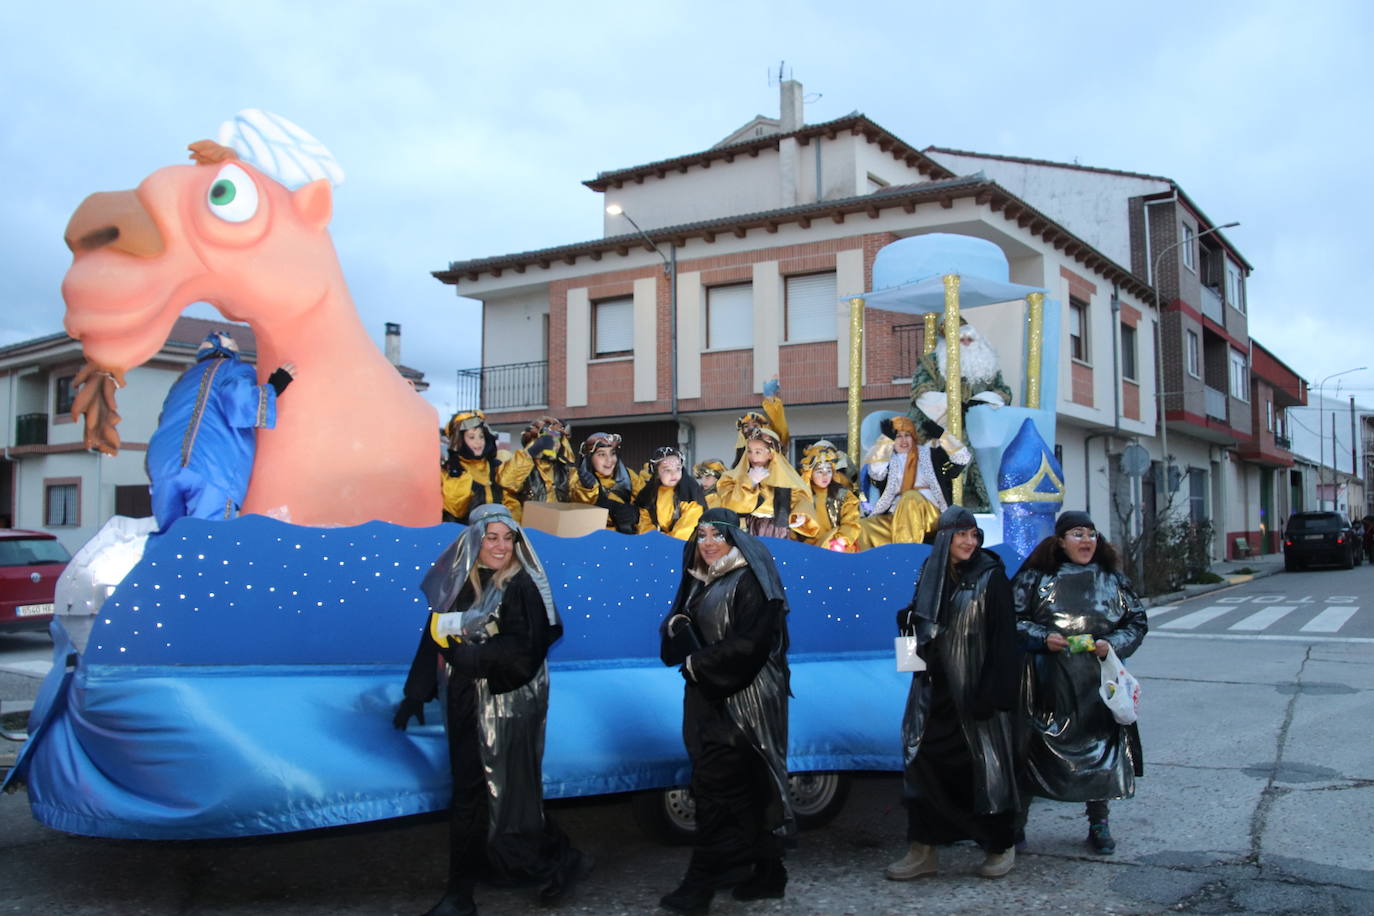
x: 30, y: 562
x: 1320, y: 537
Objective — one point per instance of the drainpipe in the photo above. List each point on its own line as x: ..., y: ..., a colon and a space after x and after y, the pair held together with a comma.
x: 686, y: 432
x: 1087, y: 474
x: 1116, y: 360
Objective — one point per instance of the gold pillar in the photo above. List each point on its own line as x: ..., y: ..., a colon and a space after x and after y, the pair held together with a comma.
x: 1035, y: 345
x: 856, y: 380
x: 928, y: 342
x: 954, y: 380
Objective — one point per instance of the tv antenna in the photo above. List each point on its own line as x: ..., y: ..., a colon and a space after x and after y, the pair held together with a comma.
x: 784, y: 73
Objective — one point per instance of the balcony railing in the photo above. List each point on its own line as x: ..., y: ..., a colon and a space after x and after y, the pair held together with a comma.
x: 31, y: 429
x: 1283, y: 442
x: 1216, y: 403
x: 907, y: 341
x: 512, y: 386
x: 1211, y: 305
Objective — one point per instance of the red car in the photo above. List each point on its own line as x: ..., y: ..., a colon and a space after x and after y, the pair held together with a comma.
x: 30, y: 562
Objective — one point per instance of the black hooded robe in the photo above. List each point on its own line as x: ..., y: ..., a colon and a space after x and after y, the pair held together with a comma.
x: 959, y: 782
x: 734, y: 711
x: 1075, y: 750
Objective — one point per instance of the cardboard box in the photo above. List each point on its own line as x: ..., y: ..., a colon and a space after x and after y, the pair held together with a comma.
x: 567, y: 520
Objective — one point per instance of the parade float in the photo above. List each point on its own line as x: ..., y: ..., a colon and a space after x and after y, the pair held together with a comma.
x: 235, y: 678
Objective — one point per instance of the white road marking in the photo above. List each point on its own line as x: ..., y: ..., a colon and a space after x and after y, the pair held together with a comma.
x: 1329, y: 620
x: 1266, y: 637
x: 1198, y: 618
x: 1264, y: 618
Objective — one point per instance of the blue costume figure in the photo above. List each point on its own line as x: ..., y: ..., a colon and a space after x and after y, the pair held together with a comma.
x: 201, y: 456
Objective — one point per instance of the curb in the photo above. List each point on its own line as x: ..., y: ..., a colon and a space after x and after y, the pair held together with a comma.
x: 1192, y: 591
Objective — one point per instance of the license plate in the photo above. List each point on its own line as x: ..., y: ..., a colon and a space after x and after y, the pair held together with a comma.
x: 1315, y: 537
x: 32, y: 610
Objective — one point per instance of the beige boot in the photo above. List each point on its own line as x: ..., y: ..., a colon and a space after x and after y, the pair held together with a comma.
x: 998, y: 864
x: 919, y: 860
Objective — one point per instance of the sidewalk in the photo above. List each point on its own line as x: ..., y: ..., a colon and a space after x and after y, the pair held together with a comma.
x: 1232, y: 572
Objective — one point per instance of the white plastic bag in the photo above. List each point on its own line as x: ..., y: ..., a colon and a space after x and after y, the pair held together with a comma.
x: 907, y: 659
x: 1119, y: 690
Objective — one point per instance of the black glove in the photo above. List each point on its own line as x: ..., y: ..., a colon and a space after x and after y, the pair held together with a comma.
x: 454, y: 465
x: 544, y: 445
x: 279, y: 379
x: 585, y: 475
x: 931, y: 430
x: 624, y: 517
x: 406, y: 710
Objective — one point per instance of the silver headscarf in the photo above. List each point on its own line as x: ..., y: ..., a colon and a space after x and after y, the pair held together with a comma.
x: 450, y: 571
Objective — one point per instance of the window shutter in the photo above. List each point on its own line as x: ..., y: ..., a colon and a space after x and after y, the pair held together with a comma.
x: 811, y: 307
x: 614, y: 321
x: 730, y: 317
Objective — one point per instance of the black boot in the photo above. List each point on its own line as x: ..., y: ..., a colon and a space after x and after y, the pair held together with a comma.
x: 1100, y: 838
x: 768, y: 882
x: 692, y: 898
x: 456, y: 902
x: 1099, y: 834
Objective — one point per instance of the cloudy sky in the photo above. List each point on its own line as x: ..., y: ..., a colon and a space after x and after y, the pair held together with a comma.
x: 466, y: 129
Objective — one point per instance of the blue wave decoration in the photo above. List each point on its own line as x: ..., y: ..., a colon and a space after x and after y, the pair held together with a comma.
x: 242, y: 678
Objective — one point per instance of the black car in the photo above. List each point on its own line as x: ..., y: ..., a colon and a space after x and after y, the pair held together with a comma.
x: 1320, y: 537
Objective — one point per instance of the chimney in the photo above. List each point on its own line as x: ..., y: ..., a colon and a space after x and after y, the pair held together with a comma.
x: 393, y: 343
x: 791, y: 115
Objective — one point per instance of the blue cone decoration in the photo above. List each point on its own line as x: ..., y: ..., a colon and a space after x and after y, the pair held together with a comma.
x: 1030, y: 485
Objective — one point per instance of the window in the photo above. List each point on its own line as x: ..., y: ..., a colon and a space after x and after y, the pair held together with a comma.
x: 1235, y: 290
x: 61, y: 505
x: 133, y: 501
x: 810, y: 305
x: 62, y: 403
x: 1197, y: 495
x: 1128, y: 367
x: 1240, y: 376
x: 613, y: 327
x: 730, y: 317
x: 1269, y: 414
x: 1187, y: 246
x: 1078, y: 330
x: 1194, y: 355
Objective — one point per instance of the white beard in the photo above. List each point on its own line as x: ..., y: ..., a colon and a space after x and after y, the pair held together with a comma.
x: 977, y: 360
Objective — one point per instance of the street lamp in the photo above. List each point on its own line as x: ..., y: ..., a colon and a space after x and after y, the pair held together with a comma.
x: 1321, y: 438
x: 670, y: 272
x: 1159, y: 341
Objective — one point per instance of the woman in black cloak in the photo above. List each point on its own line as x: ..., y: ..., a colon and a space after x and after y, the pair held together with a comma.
x: 491, y: 624
x: 728, y: 632
x: 1076, y: 751
x: 959, y: 781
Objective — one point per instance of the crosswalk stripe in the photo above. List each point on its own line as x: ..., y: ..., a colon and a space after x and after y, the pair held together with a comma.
x: 1198, y: 618
x: 1264, y: 618
x: 1330, y: 619
x: 1161, y: 610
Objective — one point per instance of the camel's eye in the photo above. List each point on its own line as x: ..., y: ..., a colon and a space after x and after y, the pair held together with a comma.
x: 233, y: 196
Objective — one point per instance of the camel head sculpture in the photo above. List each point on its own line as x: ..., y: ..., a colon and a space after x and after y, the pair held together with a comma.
x: 222, y: 231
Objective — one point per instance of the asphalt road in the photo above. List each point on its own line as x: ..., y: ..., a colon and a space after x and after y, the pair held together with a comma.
x: 1318, y: 605
x: 1258, y: 793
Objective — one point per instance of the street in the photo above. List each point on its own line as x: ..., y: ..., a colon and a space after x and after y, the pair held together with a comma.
x: 1257, y: 795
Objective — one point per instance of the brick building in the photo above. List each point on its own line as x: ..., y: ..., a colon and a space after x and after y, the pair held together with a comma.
x: 764, y: 236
